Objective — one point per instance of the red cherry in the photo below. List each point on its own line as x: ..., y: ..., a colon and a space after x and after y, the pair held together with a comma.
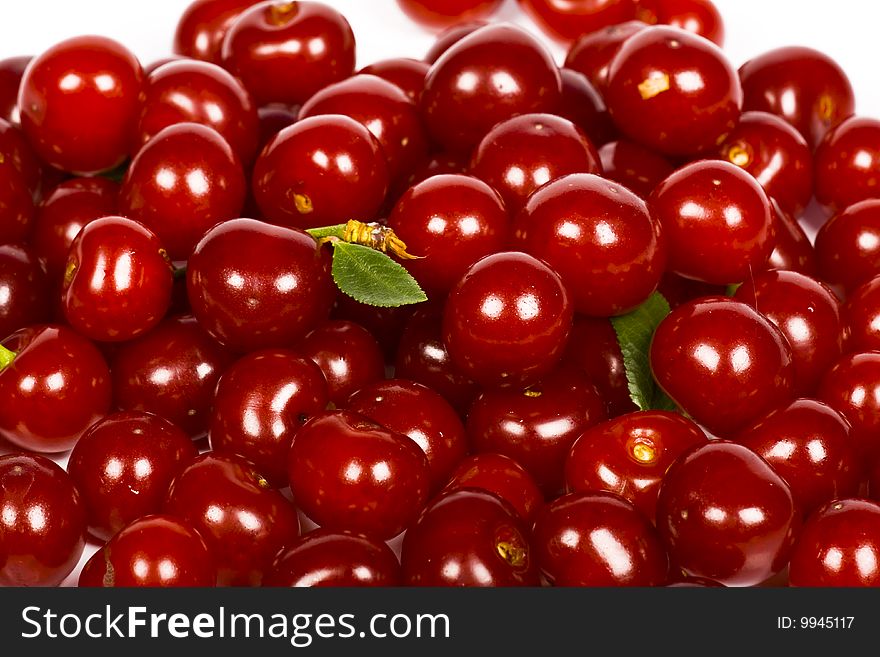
x: 450, y: 36
x: 11, y: 72
x: 633, y: 166
x: 698, y: 16
x: 347, y: 472
x: 584, y: 106
x: 468, y: 537
x: 16, y: 205
x: 437, y: 164
x: 273, y: 119
x: 384, y: 324
x: 15, y: 150
x: 862, y: 315
x: 848, y: 164
x: 42, y: 526
x: 792, y: 249
x: 724, y: 514
x: 852, y: 388
x: 80, y: 102
x: 202, y: 27
x: 848, y: 245
x: 566, y: 20
x: 593, y: 52
x: 407, y: 74
x: 438, y: 14
x: 678, y: 290
x: 24, y: 289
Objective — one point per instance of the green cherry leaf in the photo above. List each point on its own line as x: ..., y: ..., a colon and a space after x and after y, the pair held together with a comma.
x: 327, y: 231
x: 372, y: 277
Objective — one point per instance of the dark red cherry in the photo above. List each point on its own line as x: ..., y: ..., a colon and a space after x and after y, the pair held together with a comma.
x: 722, y: 362
x: 468, y: 537
x: 852, y: 387
x: 203, y: 25
x: 584, y: 106
x: 698, y: 16
x: 384, y: 324
x: 507, y: 320
x: 630, y: 455
x: 254, y: 286
x: 123, y: 466
x: 437, y: 164
x: 566, y: 20
x: 407, y: 74
x: 16, y: 205
x: 848, y: 245
x: 673, y: 91
x: 56, y: 386
x: 11, y: 72
x: 326, y: 558
x: 598, y: 539
x: 153, y: 551
x: 80, y: 101
x: 521, y: 154
x: 678, y: 290
x: 284, y: 52
x: 437, y: 14
x: 599, y: 237
x: 637, y: 168
x: 273, y: 119
x: 792, y: 249
x: 593, y: 52
x: 495, y: 73
x: 243, y: 520
x: 349, y: 473
x: 42, y: 524
x: 450, y: 36
x: 723, y: 513
x: 848, y: 164
x: 717, y: 221
x: 24, y: 289
x: 17, y: 152
x: 862, y: 315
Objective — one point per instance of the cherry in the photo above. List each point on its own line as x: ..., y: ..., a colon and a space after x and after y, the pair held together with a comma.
x: 803, y: 86
x: 852, y: 388
x: 848, y: 245
x: 325, y: 558
x: 54, y: 388
x: 592, y: 53
x: 629, y: 456
x: 717, y: 221
x: 407, y: 74
x: 153, y: 551
x: 450, y: 36
x: 538, y: 425
x: 438, y: 14
x: 349, y: 473
x: 635, y: 167
x: 171, y: 371
x: 678, y: 290
x: 698, y: 16
x: 566, y: 20
x: 79, y: 103
x: 15, y: 150
x: 16, y: 205
x: 321, y: 171
x: 494, y: 73
x: 599, y: 237
x: 24, y: 289
x: 384, y: 324
x: 11, y: 72
x: 202, y: 27
x: 502, y: 476
x: 673, y: 91
x: 468, y: 537
x: 792, y: 249
x: 123, y: 466
x: 598, y: 539
x: 838, y: 546
x: 183, y: 181
x: 776, y: 155
x: 848, y: 164
x: 199, y: 92
x: 243, y: 520
x: 723, y: 494
x: 809, y: 316
x: 254, y: 286
x: 284, y: 52
x: 423, y: 415
x: 808, y: 444
x: 437, y: 164
x: 584, y: 106
x: 862, y: 315
x: 273, y: 119
x: 722, y: 362
x: 260, y: 403
x: 42, y: 527
x: 451, y: 221
x: 382, y: 108
x: 507, y: 320
x: 523, y: 153
x: 348, y: 356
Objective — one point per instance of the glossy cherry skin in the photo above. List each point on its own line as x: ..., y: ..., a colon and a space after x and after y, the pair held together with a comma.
x: 188, y: 91
x: 776, y: 155
x: 803, y: 86
x: 463, y: 99
x: 153, y: 551
x: 255, y: 286
x: 24, y: 289
x: 717, y: 221
x: 15, y: 150
x: 16, y: 205
x: 243, y: 520
x: 848, y: 245
x: 599, y: 237
x: 203, y: 25
x: 522, y: 153
x: 450, y: 221
x: 347, y: 472
x: 117, y: 281
x: 80, y: 101
x: 673, y: 91
x: 54, y: 389
x: 862, y: 315
x: 722, y: 362
x: 848, y: 164
x: 182, y: 182
x: 506, y: 322
x: 629, y: 456
x: 584, y: 106
x: 566, y: 20
x: 698, y: 16
x: 419, y: 413
x: 11, y: 72
x: 384, y: 324
x: 792, y: 249
x: 637, y: 168
x: 321, y: 171
x: 407, y: 74
x: 42, y: 527
x: 852, y: 387
x: 598, y: 539
x: 260, y: 403
x: 678, y: 290
x: 593, y: 52
x: 838, y: 546
x: 273, y: 119
x: 438, y: 14
x: 449, y: 37
x: 123, y: 466
x: 468, y: 537
x: 808, y: 444
x: 284, y: 52
x: 724, y: 513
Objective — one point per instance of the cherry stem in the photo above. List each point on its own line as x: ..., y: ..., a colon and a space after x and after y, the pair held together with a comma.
x: 6, y: 356
x: 373, y: 235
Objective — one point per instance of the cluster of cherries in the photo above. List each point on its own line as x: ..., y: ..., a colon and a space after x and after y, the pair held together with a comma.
x: 214, y: 388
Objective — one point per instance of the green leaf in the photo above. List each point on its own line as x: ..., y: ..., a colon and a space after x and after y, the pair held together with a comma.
x: 327, y: 231
x: 6, y: 356
x: 634, y: 333
x: 732, y: 288
x: 372, y: 277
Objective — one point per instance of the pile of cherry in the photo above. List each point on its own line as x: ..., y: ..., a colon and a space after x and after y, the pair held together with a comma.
x: 146, y: 321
